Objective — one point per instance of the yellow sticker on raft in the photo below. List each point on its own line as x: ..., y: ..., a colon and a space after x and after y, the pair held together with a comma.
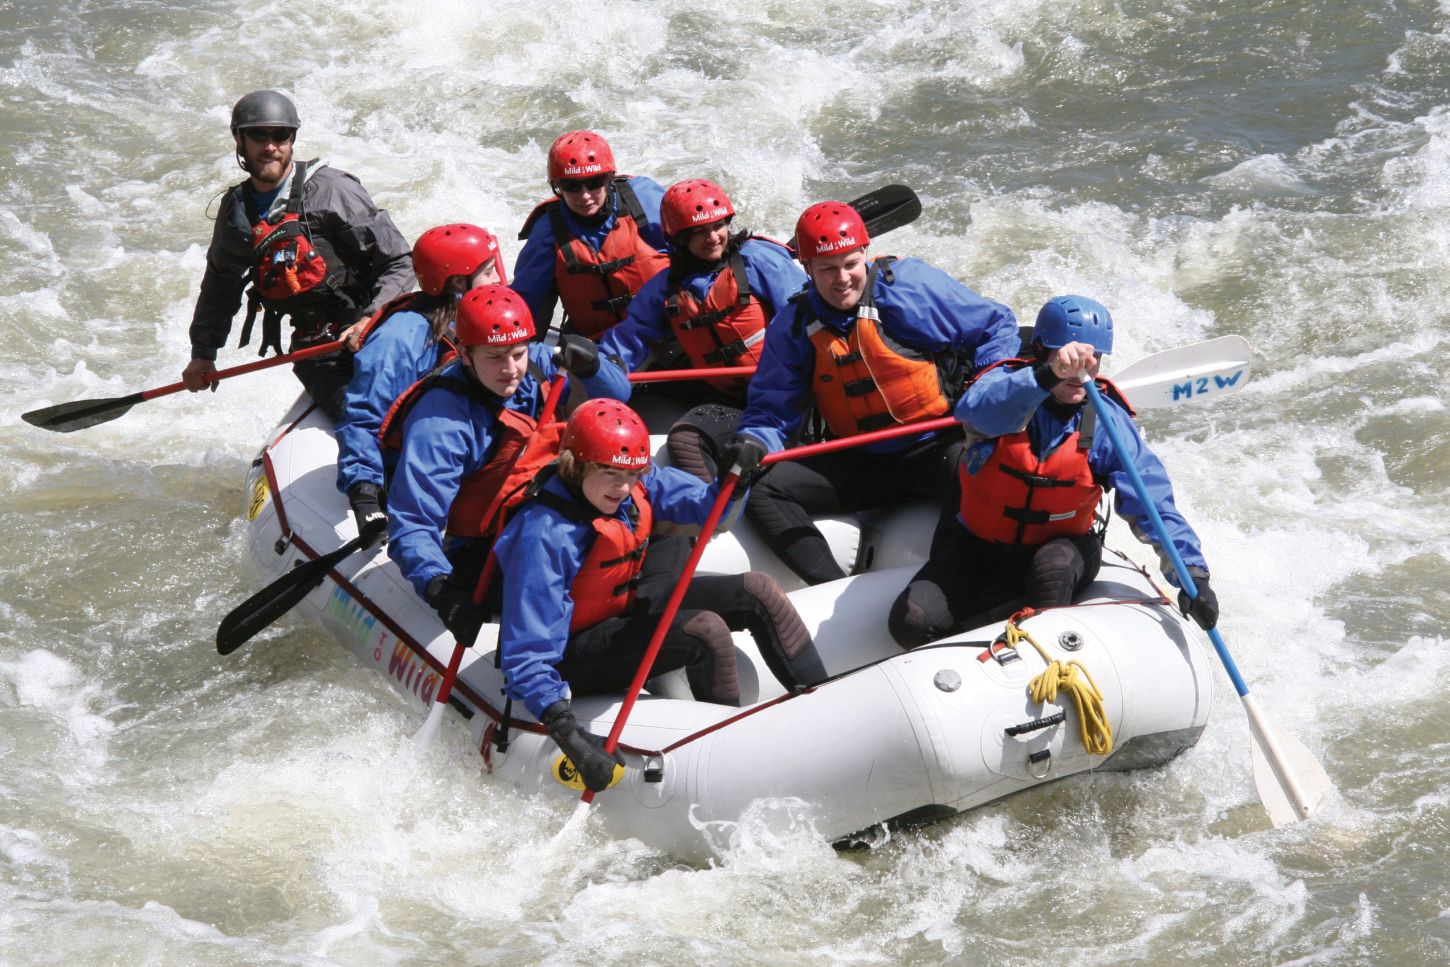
x: 259, y: 497
x: 566, y: 775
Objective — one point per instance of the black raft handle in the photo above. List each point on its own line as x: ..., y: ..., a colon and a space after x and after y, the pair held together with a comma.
x: 1057, y: 718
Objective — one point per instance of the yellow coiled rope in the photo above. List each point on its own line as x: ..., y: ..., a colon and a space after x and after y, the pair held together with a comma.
x: 1074, y: 679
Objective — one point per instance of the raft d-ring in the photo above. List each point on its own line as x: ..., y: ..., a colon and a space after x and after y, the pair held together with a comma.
x: 1003, y: 652
x: 1042, y: 759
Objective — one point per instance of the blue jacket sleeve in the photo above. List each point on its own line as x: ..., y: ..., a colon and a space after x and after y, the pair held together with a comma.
x: 774, y: 275
x: 926, y: 308
x: 1001, y: 401
x: 650, y: 193
x: 775, y: 401
x: 609, y: 381
x: 680, y: 497
x: 539, y: 553
x: 444, y: 440
x: 1109, y: 467
x: 643, y: 327
x: 397, y: 355
x: 533, y: 277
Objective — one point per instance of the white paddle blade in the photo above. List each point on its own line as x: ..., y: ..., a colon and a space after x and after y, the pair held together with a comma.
x: 425, y: 735
x: 1201, y: 371
x: 1290, y: 781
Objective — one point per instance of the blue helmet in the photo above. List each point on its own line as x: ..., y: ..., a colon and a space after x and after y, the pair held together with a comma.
x: 1074, y: 318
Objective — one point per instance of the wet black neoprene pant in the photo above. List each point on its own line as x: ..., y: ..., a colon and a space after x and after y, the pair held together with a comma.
x: 791, y: 492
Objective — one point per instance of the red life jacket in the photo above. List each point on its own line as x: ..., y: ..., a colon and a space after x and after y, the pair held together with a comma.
x: 727, y: 329
x: 596, y: 286
x: 1016, y: 498
x: 521, y: 448
x: 604, y: 586
x: 294, y: 274
x: 864, y: 380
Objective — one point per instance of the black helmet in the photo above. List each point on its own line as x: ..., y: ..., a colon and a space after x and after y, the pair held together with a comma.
x: 264, y: 109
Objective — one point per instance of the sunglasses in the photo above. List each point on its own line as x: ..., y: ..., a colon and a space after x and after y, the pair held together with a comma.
x: 269, y: 135
x: 571, y: 185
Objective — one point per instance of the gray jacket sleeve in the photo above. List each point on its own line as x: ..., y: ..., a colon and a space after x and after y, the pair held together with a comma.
x: 227, y: 260
x: 363, y: 234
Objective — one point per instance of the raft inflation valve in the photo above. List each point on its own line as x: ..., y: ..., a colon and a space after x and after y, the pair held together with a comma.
x: 654, y: 769
x: 1070, y: 641
x: 947, y: 680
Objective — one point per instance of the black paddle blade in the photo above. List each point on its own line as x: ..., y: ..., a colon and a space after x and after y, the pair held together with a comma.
x: 276, y: 599
x: 886, y: 208
x: 79, y: 414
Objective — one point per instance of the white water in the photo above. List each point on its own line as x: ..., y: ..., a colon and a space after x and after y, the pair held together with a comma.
x: 1281, y: 172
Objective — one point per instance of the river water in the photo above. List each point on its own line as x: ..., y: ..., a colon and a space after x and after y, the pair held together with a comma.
x: 1278, y: 169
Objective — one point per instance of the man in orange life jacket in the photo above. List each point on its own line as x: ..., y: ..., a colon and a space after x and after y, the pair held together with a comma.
x: 873, y: 344
x: 406, y: 340
x: 459, y: 429
x: 1023, y: 529
x: 594, y: 244
x: 308, y: 239
x: 586, y: 579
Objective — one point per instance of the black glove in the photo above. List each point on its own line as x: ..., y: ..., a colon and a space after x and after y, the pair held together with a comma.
x: 578, y: 354
x: 1204, y: 608
x: 745, y: 452
x: 367, y: 508
x: 584, y: 749
x: 455, y: 606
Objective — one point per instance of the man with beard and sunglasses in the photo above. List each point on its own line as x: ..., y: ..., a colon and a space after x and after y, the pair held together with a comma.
x: 594, y: 244
x: 309, y: 242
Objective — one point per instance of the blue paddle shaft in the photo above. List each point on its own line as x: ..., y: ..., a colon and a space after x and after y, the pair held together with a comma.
x: 1165, y: 543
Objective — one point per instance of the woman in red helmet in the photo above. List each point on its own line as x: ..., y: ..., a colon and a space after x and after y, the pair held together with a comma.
x: 403, y: 342
x: 595, y: 243
x: 457, y: 428
x: 711, y: 308
x: 585, y: 582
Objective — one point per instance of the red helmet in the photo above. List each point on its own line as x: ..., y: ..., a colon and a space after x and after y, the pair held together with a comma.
x: 493, y: 315
x: 690, y: 204
x: 608, y: 432
x: 579, y: 154
x: 450, y: 250
x: 829, y: 228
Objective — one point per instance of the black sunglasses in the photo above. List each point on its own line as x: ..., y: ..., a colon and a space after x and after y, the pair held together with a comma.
x: 571, y: 185
x: 265, y: 135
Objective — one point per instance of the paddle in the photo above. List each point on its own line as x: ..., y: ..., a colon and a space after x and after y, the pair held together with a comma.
x: 277, y: 598
x: 1202, y: 370
x: 424, y: 736
x: 1290, y: 781
x: 888, y: 207
x: 80, y: 414
x: 668, y: 375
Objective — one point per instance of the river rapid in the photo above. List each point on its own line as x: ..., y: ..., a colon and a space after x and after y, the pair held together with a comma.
x: 1278, y: 169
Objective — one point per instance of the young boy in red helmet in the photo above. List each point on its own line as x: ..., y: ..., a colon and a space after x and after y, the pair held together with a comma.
x: 585, y: 581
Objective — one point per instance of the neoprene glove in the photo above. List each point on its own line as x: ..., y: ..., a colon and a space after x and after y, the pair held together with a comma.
x: 744, y: 451
x: 367, y: 509
x: 584, y: 749
x: 1204, y: 608
x: 455, y: 606
x: 579, y: 355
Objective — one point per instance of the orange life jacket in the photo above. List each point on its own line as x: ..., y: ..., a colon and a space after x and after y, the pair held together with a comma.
x: 864, y: 380
x: 727, y: 329
x: 1016, y: 498
x: 522, y: 448
x: 293, y: 273
x: 596, y: 286
x: 604, y: 586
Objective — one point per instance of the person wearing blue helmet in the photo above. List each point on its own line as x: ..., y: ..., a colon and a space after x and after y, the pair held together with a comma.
x: 1027, y: 530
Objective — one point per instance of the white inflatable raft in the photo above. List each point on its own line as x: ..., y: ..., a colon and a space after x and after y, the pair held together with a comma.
x: 892, y: 738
